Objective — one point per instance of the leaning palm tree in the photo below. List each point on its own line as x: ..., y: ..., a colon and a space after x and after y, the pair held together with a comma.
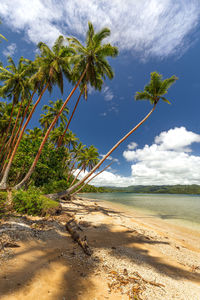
x: 16, y: 86
x: 88, y: 159
x: 91, y: 59
x: 90, y: 65
x: 50, y: 111
x: 51, y: 65
x: 154, y: 91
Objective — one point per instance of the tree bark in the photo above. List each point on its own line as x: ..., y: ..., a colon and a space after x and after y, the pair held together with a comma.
x: 3, y: 183
x: 61, y: 138
x: 9, y: 124
x: 16, y: 135
x: 18, y: 186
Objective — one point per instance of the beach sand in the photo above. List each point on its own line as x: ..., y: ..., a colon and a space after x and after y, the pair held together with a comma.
x: 132, y: 253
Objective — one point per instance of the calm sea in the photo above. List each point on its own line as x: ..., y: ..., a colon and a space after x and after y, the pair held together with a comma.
x: 177, y: 209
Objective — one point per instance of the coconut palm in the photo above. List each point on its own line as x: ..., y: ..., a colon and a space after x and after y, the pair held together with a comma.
x: 92, y: 57
x: 16, y: 86
x: 88, y: 159
x: 51, y: 65
x: 91, y: 66
x: 50, y: 111
x: 90, y: 179
x: 153, y: 92
x: 76, y: 152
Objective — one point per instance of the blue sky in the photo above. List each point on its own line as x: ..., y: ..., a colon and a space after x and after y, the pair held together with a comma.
x: 151, y: 35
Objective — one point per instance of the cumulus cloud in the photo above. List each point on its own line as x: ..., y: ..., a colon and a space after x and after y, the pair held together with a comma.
x: 132, y: 146
x: 168, y: 160
x: 149, y: 27
x: 161, y: 163
x: 10, y: 50
x: 110, y: 179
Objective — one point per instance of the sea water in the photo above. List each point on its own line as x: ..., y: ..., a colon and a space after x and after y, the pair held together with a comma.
x: 177, y: 209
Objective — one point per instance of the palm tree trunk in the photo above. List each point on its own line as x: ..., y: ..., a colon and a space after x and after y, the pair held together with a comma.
x: 18, y: 186
x: 92, y: 179
x: 9, y: 124
x: 76, y: 176
x: 71, y: 189
x: 13, y: 131
x: 61, y: 138
x: 16, y: 135
x: 3, y: 183
x: 70, y: 172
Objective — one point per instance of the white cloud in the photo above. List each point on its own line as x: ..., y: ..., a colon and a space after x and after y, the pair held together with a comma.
x: 159, y: 163
x: 10, y: 50
x: 149, y: 27
x: 132, y: 146
x: 168, y: 160
x: 108, y: 94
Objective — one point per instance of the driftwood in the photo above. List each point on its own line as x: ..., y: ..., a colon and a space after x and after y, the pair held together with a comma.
x: 72, y: 228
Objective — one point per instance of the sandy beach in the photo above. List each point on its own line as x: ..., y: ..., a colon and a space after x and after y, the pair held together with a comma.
x: 132, y: 255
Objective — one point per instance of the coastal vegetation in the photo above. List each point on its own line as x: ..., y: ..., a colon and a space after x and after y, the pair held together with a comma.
x: 51, y: 157
x: 192, y: 189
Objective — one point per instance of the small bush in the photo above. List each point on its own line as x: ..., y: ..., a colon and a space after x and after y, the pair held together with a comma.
x: 3, y: 198
x: 32, y: 202
x: 55, y: 186
x: 50, y: 207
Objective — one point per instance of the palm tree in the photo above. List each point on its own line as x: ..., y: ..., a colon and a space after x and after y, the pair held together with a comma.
x: 88, y: 159
x: 50, y: 111
x: 76, y: 153
x: 93, y: 57
x: 16, y: 85
x: 153, y: 92
x: 90, y: 179
x: 51, y: 65
x: 89, y: 63
x: 56, y: 133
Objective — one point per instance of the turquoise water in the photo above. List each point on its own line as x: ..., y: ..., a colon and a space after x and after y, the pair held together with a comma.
x: 178, y: 209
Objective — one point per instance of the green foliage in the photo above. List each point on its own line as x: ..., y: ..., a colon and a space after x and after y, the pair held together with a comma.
x: 3, y: 197
x: 55, y: 186
x: 32, y: 202
x: 156, y: 88
x: 49, y: 207
x: 28, y: 202
x: 160, y: 189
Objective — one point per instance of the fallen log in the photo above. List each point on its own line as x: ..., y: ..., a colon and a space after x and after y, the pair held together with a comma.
x: 72, y: 228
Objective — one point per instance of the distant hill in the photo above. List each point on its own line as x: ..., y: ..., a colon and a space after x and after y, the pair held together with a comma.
x: 158, y: 189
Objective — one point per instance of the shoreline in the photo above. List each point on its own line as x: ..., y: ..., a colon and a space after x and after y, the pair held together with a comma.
x: 130, y: 253
x: 163, y: 227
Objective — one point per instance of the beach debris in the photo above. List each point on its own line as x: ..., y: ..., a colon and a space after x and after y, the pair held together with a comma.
x: 72, y: 227
x: 131, y: 284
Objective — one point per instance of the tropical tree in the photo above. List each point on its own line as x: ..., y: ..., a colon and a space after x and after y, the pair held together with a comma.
x: 50, y: 111
x: 16, y: 86
x: 90, y: 179
x: 88, y: 159
x: 153, y: 92
x: 90, y: 65
x: 51, y: 65
x: 91, y: 57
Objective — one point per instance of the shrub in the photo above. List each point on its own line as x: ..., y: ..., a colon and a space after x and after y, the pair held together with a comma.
x: 50, y: 207
x: 3, y: 198
x: 32, y: 202
x: 55, y: 186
